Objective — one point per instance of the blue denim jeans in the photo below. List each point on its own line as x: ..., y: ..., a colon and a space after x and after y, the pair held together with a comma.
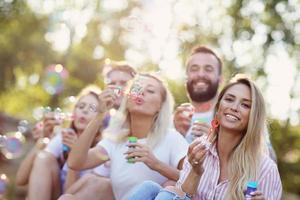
x: 168, y: 195
x: 150, y: 190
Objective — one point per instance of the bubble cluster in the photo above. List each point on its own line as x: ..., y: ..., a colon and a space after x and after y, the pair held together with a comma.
x: 55, y: 76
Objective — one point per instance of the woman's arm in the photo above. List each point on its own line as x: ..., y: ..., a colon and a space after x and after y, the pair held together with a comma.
x: 72, y: 177
x: 166, y: 170
x: 24, y: 170
x: 81, y: 156
x: 196, y: 156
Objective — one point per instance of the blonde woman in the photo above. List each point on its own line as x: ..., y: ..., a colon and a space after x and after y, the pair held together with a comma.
x: 236, y: 155
x: 145, y: 113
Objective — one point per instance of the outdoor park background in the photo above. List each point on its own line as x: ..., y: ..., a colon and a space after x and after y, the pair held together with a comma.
x: 260, y: 38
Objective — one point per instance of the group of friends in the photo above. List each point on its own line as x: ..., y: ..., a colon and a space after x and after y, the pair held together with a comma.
x: 208, y: 148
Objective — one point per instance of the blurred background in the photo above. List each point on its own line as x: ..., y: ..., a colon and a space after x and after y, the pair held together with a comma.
x: 50, y: 49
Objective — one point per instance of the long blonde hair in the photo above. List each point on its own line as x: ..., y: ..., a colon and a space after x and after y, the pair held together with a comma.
x: 119, y: 123
x: 244, y: 161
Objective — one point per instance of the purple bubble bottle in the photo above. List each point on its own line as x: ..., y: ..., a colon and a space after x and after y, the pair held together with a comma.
x: 251, y: 187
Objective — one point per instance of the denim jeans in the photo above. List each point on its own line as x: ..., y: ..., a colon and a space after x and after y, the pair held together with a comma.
x: 150, y: 190
x: 168, y: 195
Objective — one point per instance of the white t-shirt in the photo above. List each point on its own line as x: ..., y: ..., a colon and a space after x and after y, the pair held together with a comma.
x: 126, y: 176
x: 55, y: 147
x: 206, y: 117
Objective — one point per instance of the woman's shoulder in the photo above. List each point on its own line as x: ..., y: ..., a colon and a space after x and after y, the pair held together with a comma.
x: 267, y: 165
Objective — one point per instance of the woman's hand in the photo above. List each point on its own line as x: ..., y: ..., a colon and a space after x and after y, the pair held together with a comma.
x: 183, y: 117
x: 142, y: 153
x: 196, y: 155
x: 257, y: 195
x: 200, y: 128
x: 106, y: 100
x: 49, y: 122
x: 69, y: 137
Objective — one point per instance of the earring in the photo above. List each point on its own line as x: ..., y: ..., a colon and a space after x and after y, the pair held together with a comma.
x: 215, y: 123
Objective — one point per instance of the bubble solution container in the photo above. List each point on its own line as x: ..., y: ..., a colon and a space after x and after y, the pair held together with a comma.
x: 251, y: 187
x: 131, y: 140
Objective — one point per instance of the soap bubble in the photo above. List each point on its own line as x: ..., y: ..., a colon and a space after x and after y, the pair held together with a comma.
x: 23, y: 126
x: 38, y: 113
x: 13, y: 145
x: 55, y: 76
x: 47, y: 110
x: 3, y: 185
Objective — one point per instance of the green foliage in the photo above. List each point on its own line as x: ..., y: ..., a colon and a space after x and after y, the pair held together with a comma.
x: 22, y: 42
x: 24, y: 51
x: 286, y: 143
x: 16, y: 101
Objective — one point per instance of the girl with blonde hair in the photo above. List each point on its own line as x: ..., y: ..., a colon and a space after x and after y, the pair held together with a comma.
x: 236, y: 152
x: 145, y: 113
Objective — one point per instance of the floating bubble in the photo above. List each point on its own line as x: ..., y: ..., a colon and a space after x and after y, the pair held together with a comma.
x: 58, y: 114
x: 23, y: 126
x: 38, y: 113
x: 3, y: 185
x: 54, y: 79
x: 14, y: 145
x: 47, y: 110
x: 67, y: 102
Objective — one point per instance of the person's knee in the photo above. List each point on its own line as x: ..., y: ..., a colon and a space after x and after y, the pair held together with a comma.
x: 99, y: 183
x: 45, y: 160
x: 169, y: 183
x: 151, y: 185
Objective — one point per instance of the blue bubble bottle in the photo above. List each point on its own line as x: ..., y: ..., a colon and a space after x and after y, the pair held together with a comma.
x: 251, y: 187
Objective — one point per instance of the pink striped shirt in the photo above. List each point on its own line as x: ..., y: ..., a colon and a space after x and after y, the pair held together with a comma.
x: 269, y: 182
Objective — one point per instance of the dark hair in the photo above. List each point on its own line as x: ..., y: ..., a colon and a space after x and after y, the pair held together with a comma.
x: 203, y: 49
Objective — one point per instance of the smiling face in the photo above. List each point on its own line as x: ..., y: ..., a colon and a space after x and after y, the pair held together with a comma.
x: 202, y: 77
x: 150, y: 96
x: 234, y: 108
x: 84, y: 111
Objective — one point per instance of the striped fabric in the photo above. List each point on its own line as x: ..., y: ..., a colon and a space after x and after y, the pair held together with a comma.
x: 269, y: 182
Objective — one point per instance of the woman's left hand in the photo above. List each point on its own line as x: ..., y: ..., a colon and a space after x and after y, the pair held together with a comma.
x: 142, y: 153
x: 257, y: 195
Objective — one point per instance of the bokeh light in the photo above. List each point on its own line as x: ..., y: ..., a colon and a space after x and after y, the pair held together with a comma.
x: 3, y: 184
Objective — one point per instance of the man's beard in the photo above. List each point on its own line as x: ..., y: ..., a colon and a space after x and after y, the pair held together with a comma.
x: 202, y: 96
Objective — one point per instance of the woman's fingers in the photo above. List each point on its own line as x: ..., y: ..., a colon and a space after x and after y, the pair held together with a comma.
x: 107, y: 99
x: 257, y: 195
x: 200, y: 128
